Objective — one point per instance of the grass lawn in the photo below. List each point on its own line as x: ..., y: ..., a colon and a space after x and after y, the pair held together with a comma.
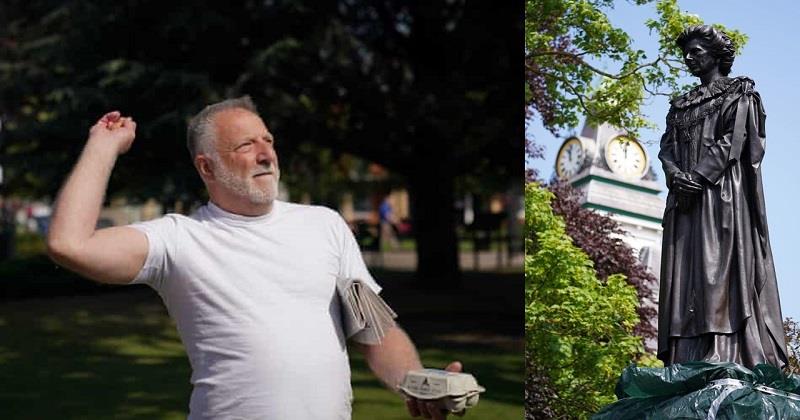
x: 117, y: 355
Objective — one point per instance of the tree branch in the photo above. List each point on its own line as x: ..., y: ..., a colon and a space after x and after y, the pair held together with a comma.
x: 651, y: 92
x: 670, y: 63
x: 571, y: 88
x: 583, y: 62
x: 577, y: 55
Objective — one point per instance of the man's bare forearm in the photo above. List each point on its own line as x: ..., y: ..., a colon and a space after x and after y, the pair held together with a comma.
x: 78, y: 205
x: 391, y: 360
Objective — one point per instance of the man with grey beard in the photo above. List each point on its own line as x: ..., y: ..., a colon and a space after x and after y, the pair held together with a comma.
x: 249, y: 280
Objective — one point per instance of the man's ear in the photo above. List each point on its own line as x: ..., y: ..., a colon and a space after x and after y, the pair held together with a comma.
x: 204, y: 166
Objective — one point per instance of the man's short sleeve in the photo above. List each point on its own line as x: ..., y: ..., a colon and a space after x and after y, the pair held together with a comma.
x: 160, y: 239
x: 351, y: 261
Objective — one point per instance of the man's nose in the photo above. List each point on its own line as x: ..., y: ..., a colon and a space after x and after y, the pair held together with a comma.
x: 265, y: 152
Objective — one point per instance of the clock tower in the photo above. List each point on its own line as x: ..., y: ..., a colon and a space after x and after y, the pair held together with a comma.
x: 613, y: 172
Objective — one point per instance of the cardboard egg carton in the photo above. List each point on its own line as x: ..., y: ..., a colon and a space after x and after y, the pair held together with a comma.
x: 454, y: 391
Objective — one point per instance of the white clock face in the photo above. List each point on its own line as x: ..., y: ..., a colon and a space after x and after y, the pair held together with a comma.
x: 626, y: 157
x: 570, y: 158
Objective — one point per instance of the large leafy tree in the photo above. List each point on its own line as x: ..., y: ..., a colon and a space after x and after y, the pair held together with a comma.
x: 428, y: 89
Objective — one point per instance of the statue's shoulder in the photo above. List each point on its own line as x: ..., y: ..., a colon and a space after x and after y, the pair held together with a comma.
x: 743, y: 84
x: 721, y: 87
x: 742, y: 87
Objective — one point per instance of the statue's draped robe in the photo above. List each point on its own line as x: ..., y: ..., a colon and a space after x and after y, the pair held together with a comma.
x: 719, y: 296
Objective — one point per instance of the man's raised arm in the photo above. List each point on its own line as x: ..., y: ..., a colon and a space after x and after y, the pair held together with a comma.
x: 113, y: 255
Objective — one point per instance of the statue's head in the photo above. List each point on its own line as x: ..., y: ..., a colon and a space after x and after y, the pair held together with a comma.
x: 710, y: 40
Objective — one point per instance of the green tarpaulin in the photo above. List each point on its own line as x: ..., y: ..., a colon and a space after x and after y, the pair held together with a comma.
x: 707, y: 391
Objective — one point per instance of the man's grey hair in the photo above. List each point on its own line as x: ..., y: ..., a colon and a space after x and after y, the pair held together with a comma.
x: 201, y: 133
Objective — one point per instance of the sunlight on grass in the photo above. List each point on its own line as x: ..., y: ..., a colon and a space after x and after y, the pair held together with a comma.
x: 118, y: 356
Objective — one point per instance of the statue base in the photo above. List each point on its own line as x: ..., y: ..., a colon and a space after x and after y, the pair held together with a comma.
x: 708, y: 391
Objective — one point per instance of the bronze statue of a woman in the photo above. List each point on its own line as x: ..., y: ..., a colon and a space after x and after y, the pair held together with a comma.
x: 719, y: 296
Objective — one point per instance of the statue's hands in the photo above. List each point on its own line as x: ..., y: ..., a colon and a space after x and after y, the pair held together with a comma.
x: 685, y: 183
x: 114, y: 130
x: 687, y: 187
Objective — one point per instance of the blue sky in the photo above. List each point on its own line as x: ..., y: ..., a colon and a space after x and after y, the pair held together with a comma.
x: 771, y: 59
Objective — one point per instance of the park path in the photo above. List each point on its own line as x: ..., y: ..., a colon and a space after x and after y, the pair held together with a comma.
x: 484, y: 261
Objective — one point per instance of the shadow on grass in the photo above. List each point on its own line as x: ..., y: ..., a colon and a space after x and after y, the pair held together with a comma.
x: 113, y: 355
x: 116, y: 354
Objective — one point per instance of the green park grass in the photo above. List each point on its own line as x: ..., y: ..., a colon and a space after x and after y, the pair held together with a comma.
x: 116, y: 354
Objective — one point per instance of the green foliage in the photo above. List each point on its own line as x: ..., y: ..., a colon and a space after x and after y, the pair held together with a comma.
x: 669, y: 24
x: 578, y: 329
x: 390, y: 82
x: 565, y: 41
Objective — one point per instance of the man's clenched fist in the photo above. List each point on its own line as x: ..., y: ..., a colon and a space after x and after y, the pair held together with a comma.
x: 112, y: 129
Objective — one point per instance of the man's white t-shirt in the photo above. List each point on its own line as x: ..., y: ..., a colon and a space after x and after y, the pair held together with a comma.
x: 254, y: 300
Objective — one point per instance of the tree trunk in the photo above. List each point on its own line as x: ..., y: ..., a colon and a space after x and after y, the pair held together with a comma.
x: 434, y: 224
